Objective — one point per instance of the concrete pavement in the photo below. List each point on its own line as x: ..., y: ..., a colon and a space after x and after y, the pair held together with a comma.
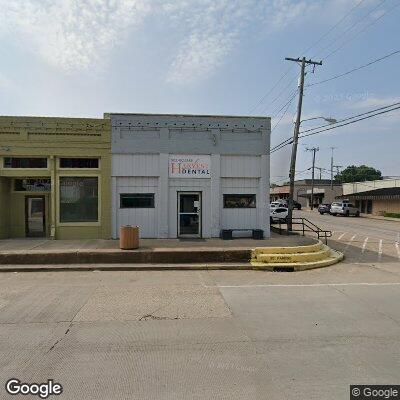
x: 151, y: 251
x: 204, y: 334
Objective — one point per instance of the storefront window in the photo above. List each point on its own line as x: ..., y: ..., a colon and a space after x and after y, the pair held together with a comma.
x: 25, y: 162
x: 32, y: 185
x: 79, y: 199
x: 79, y: 163
x: 137, y: 200
x: 239, y: 201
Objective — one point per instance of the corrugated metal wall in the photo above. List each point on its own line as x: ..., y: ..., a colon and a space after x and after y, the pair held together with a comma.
x: 245, y: 218
x: 145, y: 218
x: 135, y: 165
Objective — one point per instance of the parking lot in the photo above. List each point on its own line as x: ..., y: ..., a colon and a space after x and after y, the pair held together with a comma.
x: 211, y: 334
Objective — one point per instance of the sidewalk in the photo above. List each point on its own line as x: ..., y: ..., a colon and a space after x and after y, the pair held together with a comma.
x: 370, y: 216
x: 151, y: 251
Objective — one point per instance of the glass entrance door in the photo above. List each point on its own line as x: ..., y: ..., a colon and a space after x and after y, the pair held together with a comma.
x: 189, y: 214
x: 35, y: 216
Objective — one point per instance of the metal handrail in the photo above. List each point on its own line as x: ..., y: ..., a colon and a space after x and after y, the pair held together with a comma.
x: 305, y: 223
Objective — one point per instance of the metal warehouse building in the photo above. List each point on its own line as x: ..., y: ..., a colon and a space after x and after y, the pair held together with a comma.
x: 188, y: 175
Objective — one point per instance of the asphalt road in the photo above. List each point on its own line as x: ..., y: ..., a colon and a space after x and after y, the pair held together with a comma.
x: 363, y: 240
x: 209, y: 334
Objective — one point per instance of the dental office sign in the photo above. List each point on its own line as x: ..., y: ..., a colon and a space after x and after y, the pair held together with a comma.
x: 189, y: 166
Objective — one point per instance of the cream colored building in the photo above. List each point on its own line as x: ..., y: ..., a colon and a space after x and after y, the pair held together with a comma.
x: 380, y: 197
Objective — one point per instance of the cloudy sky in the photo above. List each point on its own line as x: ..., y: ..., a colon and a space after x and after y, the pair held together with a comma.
x: 83, y: 58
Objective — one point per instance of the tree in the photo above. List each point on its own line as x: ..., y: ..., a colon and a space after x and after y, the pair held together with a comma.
x: 358, y: 174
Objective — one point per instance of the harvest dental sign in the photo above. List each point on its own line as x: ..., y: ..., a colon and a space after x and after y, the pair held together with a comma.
x: 189, y: 166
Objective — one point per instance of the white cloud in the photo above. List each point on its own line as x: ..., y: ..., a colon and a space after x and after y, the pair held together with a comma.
x: 72, y: 34
x: 76, y: 35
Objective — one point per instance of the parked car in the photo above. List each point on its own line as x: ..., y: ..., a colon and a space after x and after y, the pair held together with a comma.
x: 296, y: 205
x: 344, y: 208
x: 278, y: 203
x: 278, y: 214
x: 324, y: 208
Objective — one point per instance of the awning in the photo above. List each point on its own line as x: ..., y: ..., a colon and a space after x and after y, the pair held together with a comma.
x: 376, y: 194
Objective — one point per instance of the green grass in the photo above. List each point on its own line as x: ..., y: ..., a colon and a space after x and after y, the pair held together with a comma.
x: 392, y: 215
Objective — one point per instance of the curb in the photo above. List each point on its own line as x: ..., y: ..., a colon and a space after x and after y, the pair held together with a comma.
x: 126, y: 267
x: 126, y: 257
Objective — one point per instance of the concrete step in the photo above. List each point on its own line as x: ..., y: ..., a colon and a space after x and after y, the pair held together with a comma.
x: 321, y: 254
x: 296, y: 258
x: 333, y: 258
x: 289, y: 250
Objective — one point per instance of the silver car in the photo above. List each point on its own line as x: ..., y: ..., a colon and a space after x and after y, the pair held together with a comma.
x: 344, y: 208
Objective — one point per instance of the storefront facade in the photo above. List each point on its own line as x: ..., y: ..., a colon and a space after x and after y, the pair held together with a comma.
x: 54, y: 177
x: 189, y: 176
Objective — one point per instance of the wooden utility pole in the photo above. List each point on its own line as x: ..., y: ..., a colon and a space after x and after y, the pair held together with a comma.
x: 332, y: 148
x: 292, y: 169
x: 320, y: 169
x: 314, y: 150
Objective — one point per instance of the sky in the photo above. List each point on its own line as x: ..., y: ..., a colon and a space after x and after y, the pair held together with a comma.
x: 83, y: 58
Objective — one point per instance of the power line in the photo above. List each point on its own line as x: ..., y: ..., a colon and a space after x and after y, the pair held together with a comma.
x: 352, y: 117
x: 286, y: 110
x: 350, y: 122
x: 292, y: 96
x: 334, y: 26
x: 378, y: 111
x: 354, y: 69
x: 280, y: 94
x: 361, y: 31
x: 271, y: 90
x: 351, y: 27
x: 303, y: 52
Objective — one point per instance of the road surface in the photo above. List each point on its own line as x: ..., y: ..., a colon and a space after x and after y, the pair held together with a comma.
x: 233, y: 335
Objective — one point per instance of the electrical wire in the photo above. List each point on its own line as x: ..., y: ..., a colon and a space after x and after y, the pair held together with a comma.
x: 354, y: 69
x: 289, y: 141
x: 351, y: 27
x: 305, y: 51
x: 285, y: 112
x: 352, y: 117
x: 361, y: 31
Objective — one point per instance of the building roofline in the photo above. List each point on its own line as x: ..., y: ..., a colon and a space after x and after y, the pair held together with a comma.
x: 108, y: 114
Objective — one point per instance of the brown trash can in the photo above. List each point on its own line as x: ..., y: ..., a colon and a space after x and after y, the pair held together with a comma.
x: 128, y: 237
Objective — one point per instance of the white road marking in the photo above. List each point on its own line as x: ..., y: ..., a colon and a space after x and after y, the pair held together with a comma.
x: 364, y: 245
x: 349, y: 243
x: 398, y: 249
x: 341, y: 235
x: 380, y: 250
x: 312, y: 285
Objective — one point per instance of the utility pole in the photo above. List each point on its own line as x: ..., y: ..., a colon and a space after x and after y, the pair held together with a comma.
x: 320, y: 171
x: 332, y: 148
x: 314, y: 150
x: 292, y: 169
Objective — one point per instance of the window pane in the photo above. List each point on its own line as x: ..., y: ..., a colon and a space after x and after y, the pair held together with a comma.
x: 79, y: 163
x: 78, y: 199
x: 25, y: 162
x: 137, y: 200
x: 239, y: 201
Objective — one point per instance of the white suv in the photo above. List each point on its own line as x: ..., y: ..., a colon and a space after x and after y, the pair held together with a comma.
x: 344, y: 208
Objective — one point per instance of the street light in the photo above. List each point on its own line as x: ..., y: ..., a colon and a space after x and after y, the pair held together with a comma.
x: 330, y: 120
